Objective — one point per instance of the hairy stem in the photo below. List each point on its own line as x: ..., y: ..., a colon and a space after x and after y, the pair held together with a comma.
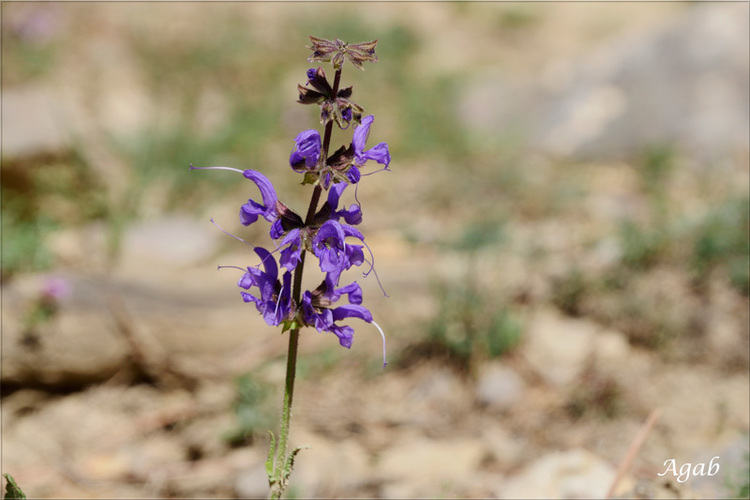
x: 291, y: 361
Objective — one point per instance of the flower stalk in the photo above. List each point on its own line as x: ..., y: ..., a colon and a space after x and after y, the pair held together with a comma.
x: 326, y: 231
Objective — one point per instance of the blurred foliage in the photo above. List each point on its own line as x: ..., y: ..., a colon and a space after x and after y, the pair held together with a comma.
x: 569, y: 291
x: 642, y: 246
x: 323, y: 361
x: 24, y: 249
x: 596, y: 395
x: 470, y: 325
x: 253, y: 412
x: 738, y: 481
x: 39, y: 196
x: 722, y: 240
x: 31, y: 45
x: 479, y: 233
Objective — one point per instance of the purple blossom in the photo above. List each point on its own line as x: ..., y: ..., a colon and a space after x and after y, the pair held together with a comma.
x: 334, y: 254
x: 329, y: 247
x: 307, y: 149
x: 318, y: 310
x: 55, y: 289
x: 274, y: 300
x: 250, y: 211
x: 290, y: 256
x: 352, y: 215
x: 378, y: 153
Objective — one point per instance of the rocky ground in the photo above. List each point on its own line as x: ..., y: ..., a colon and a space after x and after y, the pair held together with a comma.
x: 604, y: 262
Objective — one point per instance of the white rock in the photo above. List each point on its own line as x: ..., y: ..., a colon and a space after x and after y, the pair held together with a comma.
x: 571, y: 474
x: 498, y: 386
x: 252, y: 482
x: 558, y: 347
x: 327, y: 467
x: 422, y: 467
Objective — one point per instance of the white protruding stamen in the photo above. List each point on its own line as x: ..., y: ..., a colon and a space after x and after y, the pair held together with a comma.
x: 382, y: 335
x: 230, y: 267
x: 215, y: 168
x: 228, y: 233
x: 278, y: 301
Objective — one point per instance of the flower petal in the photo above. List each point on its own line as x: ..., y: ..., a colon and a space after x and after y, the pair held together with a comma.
x: 344, y: 333
x: 290, y: 256
x: 352, y: 311
x: 359, y: 138
x: 267, y: 192
x: 307, y: 149
x: 379, y: 153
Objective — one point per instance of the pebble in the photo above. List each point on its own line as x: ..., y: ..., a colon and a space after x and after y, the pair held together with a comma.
x: 558, y: 347
x: 570, y: 474
x: 420, y: 467
x: 498, y: 386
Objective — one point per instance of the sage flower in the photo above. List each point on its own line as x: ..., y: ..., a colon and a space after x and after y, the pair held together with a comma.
x: 274, y: 297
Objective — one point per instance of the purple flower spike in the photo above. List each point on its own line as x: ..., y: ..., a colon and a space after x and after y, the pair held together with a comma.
x: 306, y: 149
x: 250, y: 211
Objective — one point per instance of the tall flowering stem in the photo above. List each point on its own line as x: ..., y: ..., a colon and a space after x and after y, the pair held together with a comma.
x: 291, y: 360
x: 326, y: 231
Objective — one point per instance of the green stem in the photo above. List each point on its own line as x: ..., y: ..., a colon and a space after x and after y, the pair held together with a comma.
x: 282, y: 455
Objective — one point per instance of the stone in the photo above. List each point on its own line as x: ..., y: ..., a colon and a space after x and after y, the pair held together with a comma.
x: 252, y: 482
x: 558, y: 347
x: 327, y: 468
x: 31, y: 122
x: 498, y: 386
x: 416, y: 466
x: 76, y: 347
x: 568, y: 474
x: 683, y: 83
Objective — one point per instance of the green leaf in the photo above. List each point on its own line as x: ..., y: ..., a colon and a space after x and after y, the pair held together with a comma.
x: 269, y: 460
x: 290, y: 461
x: 12, y: 490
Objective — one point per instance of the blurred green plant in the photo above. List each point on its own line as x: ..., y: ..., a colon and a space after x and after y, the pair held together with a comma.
x: 655, y: 171
x: 518, y: 17
x: 738, y: 481
x: 24, y: 249
x: 569, y: 291
x: 322, y: 362
x: 40, y: 195
x: 644, y: 244
x: 722, y: 241
x: 642, y: 247
x: 470, y: 325
x: 597, y: 395
x: 480, y: 233
x: 31, y: 43
x: 251, y: 410
x: 429, y: 116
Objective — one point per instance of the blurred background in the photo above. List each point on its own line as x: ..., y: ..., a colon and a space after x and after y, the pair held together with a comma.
x: 563, y: 237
